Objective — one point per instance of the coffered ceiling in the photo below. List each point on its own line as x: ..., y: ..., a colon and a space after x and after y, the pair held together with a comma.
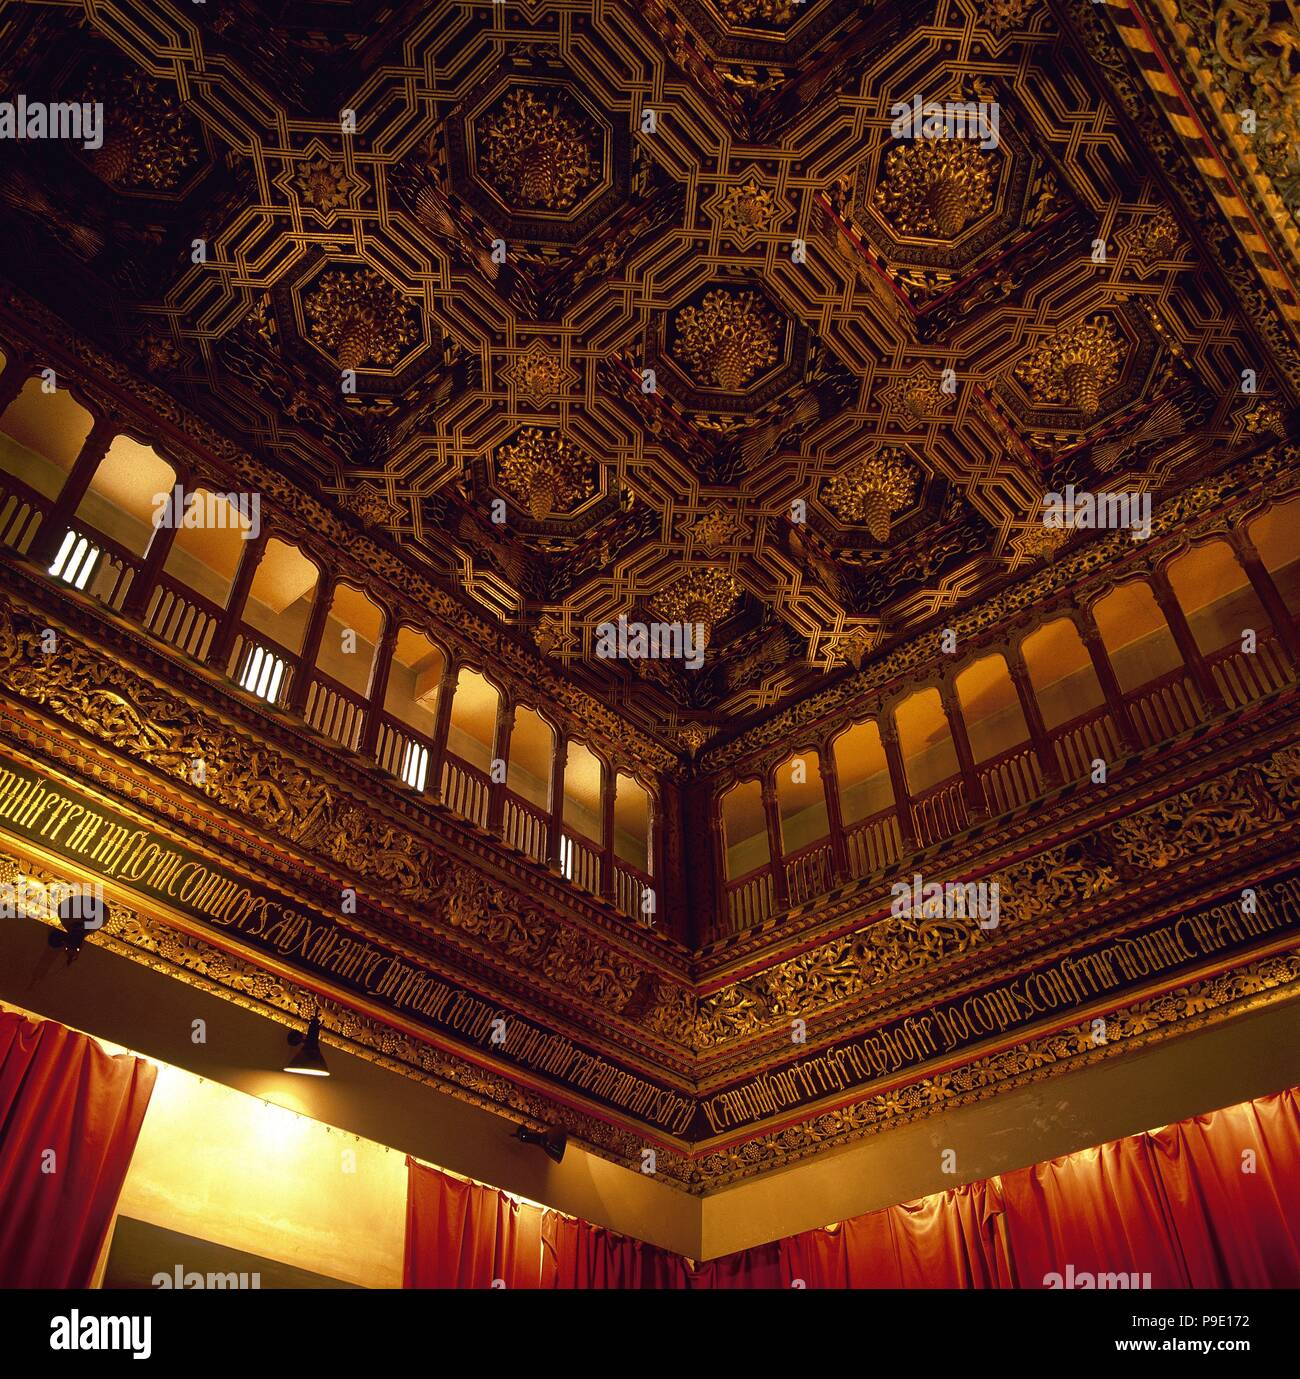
x: 647, y: 281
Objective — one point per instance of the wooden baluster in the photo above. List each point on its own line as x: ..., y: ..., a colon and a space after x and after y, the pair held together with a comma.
x: 1187, y: 647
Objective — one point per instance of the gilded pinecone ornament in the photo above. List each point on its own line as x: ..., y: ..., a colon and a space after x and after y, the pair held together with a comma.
x: 535, y: 154
x: 147, y: 137
x: 873, y: 490
x: 704, y: 596
x: 727, y: 339
x: 936, y: 187
x: 360, y: 318
x: 1074, y: 365
x: 545, y: 471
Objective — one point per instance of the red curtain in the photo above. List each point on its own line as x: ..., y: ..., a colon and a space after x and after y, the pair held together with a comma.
x: 1212, y: 1202
x: 70, y: 1115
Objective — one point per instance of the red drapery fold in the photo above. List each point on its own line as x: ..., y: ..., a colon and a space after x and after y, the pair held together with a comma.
x: 70, y: 1115
x: 1212, y: 1202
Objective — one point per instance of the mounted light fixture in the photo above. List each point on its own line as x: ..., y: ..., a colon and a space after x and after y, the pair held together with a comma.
x: 553, y: 1142
x: 308, y: 1061
x: 78, y: 914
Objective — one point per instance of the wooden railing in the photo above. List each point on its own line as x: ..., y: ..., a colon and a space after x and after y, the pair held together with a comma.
x: 22, y: 510
x: 808, y: 871
x: 750, y: 899
x: 525, y: 826
x: 873, y: 843
x: 335, y: 710
x: 630, y: 885
x: 1011, y: 779
x: 182, y: 618
x: 580, y: 861
x: 402, y: 752
x: 1083, y: 740
x: 940, y: 812
x: 1164, y: 708
x: 261, y: 666
x: 1243, y: 677
x: 465, y: 789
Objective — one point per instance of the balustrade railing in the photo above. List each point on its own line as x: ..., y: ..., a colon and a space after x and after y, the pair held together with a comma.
x: 579, y: 861
x: 750, y: 899
x: 1164, y: 708
x: 524, y: 826
x: 261, y: 666
x: 182, y: 618
x: 335, y: 710
x: 808, y: 871
x: 873, y: 843
x: 1082, y: 741
x: 22, y: 511
x: 465, y: 789
x: 940, y: 812
x: 1011, y: 779
x: 402, y: 752
x: 630, y: 887
x: 1244, y: 676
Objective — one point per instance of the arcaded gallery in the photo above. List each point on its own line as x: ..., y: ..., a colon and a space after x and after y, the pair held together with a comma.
x: 649, y: 646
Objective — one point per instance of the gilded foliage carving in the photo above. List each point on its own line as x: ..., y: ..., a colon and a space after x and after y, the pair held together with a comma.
x: 118, y: 707
x: 1188, y: 823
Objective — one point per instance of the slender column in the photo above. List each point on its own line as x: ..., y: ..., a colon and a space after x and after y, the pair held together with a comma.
x: 384, y: 653
x: 1033, y: 716
x: 772, y: 813
x: 897, y: 780
x: 1105, y: 673
x: 834, y: 814
x: 155, y: 557
x: 971, y: 787
x: 608, y: 785
x: 64, y: 508
x: 320, y: 611
x: 558, y: 763
x: 442, y: 725
x: 249, y: 559
x: 14, y: 379
x: 500, y: 752
x: 1267, y: 592
x: 1187, y: 647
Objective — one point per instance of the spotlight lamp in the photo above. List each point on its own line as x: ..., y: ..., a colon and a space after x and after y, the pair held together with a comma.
x: 553, y: 1142
x: 78, y: 914
x: 308, y: 1061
